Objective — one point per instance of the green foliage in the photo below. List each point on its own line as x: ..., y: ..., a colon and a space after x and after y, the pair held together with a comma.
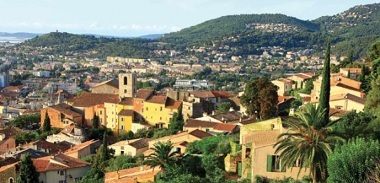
x: 324, y: 98
x: 351, y: 161
x: 95, y: 122
x: 223, y: 108
x: 213, y: 168
x: 260, y: 96
x: 219, y: 144
x: 31, y: 121
x: 93, y: 176
x: 309, y: 144
x: 163, y: 155
x: 103, y: 154
x: 127, y: 136
x: 97, y: 133
x: 122, y: 162
x: 354, y: 124
x: 176, y: 123
x: 28, y: 173
x: 46, y: 126
x: 372, y: 104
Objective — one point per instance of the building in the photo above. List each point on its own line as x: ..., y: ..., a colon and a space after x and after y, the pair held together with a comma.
x: 142, y: 174
x: 82, y: 150
x: 45, y: 74
x: 134, y: 147
x: 127, y: 85
x: 159, y: 110
x: 61, y: 116
x: 192, y: 84
x: 126, y: 60
x: 353, y: 73
x: 347, y: 102
x: 4, y: 79
x: 284, y: 86
x: 7, y: 142
x: 106, y: 87
x: 301, y: 78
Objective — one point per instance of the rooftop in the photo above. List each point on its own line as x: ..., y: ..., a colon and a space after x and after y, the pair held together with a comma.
x: 87, y: 99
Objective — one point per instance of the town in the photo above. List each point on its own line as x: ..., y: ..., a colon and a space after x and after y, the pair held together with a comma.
x: 80, y: 111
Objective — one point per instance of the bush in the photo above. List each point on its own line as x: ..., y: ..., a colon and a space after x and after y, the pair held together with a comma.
x: 351, y: 161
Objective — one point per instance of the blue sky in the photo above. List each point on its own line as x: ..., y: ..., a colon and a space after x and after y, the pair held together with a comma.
x: 140, y: 17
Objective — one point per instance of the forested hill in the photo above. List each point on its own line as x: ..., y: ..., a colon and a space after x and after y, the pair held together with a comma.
x: 57, y: 42
x: 235, y: 25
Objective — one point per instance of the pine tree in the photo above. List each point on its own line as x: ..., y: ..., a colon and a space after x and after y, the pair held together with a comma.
x: 324, y: 98
x: 46, y: 126
x: 28, y: 173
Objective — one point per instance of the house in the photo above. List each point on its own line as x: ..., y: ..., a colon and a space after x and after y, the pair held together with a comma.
x: 82, y: 150
x: 61, y: 115
x: 350, y: 72
x: 134, y: 147
x: 131, y: 175
x: 259, y: 157
x: 347, y: 102
x: 47, y: 147
x: 60, y: 168
x: 179, y: 140
x: 159, y: 110
x: 301, y: 78
x: 7, y: 142
x: 210, y: 127
x: 284, y: 86
x: 106, y: 87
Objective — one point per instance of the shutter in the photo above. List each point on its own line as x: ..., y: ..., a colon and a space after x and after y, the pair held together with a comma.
x: 269, y: 163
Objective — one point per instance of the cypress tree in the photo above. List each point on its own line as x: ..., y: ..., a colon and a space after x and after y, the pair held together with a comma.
x: 349, y: 73
x: 105, y: 153
x: 28, y: 173
x: 324, y: 97
x: 47, y: 126
x: 362, y: 74
x: 95, y: 122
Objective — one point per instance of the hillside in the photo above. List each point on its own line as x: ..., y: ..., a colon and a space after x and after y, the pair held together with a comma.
x: 234, y: 25
x: 57, y: 42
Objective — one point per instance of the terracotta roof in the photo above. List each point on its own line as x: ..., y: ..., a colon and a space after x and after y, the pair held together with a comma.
x: 87, y: 99
x: 347, y: 96
x: 173, y: 104
x: 80, y: 146
x: 285, y: 80
x: 52, y: 148
x: 144, y: 94
x: 302, y: 76
x: 248, y: 121
x: 225, y: 127
x: 3, y: 168
x: 159, y: 99
x: 307, y: 99
x: 283, y: 98
x: 203, y: 94
x: 139, y: 143
x: 261, y: 138
x: 193, y: 123
x: 228, y: 116
x: 337, y: 112
x: 222, y: 94
x: 127, y: 101
x: 200, y: 134
x: 58, y: 162
x: 65, y: 109
x: 344, y: 82
x: 9, y: 132
x: 126, y: 112
x: 113, y: 83
x: 131, y: 175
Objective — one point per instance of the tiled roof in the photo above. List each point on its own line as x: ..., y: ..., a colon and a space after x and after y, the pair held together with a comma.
x: 132, y: 175
x: 347, y: 96
x: 87, y: 99
x: 203, y: 94
x: 58, y: 162
x: 283, y: 98
x: 261, y: 138
x: 193, y: 123
x: 80, y: 146
x: 65, y: 109
x: 200, y: 134
x: 126, y: 112
x: 173, y: 104
x: 160, y: 99
x: 139, y: 143
x: 285, y: 80
x: 52, y: 148
x: 224, y: 127
x: 127, y: 101
x: 228, y: 116
x: 143, y: 94
x: 113, y: 82
x: 222, y: 94
x: 8, y: 132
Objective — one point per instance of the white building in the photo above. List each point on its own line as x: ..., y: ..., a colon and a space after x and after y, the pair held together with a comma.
x: 185, y: 83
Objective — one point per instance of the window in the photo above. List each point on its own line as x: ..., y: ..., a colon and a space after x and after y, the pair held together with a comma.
x: 122, y: 119
x: 11, y: 180
x: 121, y: 152
x: 274, y: 164
x: 146, y: 108
x: 62, y: 181
x: 125, y: 91
x: 122, y: 127
x: 78, y: 179
x: 160, y: 118
x: 61, y: 173
x: 160, y: 108
x: 125, y: 80
x: 100, y: 112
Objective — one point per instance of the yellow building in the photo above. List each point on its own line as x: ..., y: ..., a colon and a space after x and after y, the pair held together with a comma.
x: 159, y: 110
x: 284, y: 86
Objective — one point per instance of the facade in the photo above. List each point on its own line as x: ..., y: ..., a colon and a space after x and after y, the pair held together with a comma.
x: 126, y: 60
x: 194, y: 84
x: 159, y: 110
x: 301, y: 78
x: 45, y: 74
x: 347, y: 102
x: 350, y: 72
x: 127, y: 85
x: 142, y: 174
x: 82, y: 150
x: 134, y: 147
x: 284, y: 86
x: 4, y: 80
x: 61, y: 116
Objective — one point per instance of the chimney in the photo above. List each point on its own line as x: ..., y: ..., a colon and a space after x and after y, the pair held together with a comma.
x: 241, y: 119
x: 231, y: 109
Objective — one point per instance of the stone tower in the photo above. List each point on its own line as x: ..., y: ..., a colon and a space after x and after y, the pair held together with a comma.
x: 127, y: 85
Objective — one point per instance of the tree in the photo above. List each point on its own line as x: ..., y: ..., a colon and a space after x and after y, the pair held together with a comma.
x: 95, y: 122
x: 324, y: 98
x: 103, y: 154
x: 260, y: 98
x: 212, y: 165
x: 46, y: 126
x: 93, y: 176
x: 122, y: 162
x: 223, y: 108
x: 351, y: 161
x: 309, y: 144
x: 372, y: 104
x: 163, y: 156
x: 28, y: 173
x: 354, y: 124
x: 176, y: 123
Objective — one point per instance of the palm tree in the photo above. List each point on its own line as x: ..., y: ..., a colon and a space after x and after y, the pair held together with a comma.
x: 162, y: 157
x: 306, y: 142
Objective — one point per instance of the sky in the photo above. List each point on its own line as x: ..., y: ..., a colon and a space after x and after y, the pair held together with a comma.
x: 127, y: 18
